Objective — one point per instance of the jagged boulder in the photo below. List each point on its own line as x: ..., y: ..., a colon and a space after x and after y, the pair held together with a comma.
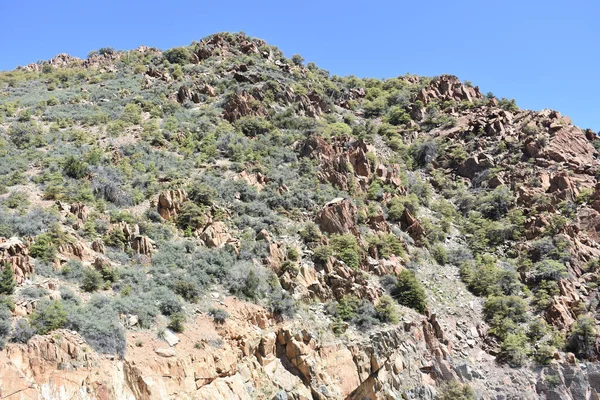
x: 80, y: 210
x: 256, y: 179
x: 338, y: 216
x: 570, y: 146
x: 73, y: 249
x: 16, y: 254
x: 98, y: 246
x: 343, y: 163
x: 412, y: 226
x: 475, y: 164
x: 170, y: 202
x: 216, y: 235
x: 143, y: 245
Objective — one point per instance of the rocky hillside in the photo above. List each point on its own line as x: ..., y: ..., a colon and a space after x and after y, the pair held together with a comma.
x: 218, y: 221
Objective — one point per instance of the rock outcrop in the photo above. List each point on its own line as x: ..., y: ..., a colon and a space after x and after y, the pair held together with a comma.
x: 169, y: 203
x: 14, y: 253
x: 338, y: 216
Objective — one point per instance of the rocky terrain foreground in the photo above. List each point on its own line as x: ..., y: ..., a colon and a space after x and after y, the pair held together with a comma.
x: 218, y: 221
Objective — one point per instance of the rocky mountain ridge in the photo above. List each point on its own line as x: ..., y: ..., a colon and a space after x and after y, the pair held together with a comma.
x: 218, y: 221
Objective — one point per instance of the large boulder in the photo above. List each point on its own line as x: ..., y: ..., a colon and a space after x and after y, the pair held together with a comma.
x: 338, y: 216
x: 169, y: 203
x: 143, y: 245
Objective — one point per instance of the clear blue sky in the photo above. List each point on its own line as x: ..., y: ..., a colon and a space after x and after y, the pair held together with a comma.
x: 545, y: 54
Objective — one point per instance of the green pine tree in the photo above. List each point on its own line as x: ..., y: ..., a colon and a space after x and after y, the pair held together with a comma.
x: 7, y: 280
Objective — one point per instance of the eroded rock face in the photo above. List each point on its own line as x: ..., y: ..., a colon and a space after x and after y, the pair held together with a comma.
x: 216, y: 235
x: 345, y: 163
x: 98, y: 246
x: 256, y: 179
x: 143, y: 245
x: 169, y: 203
x: 16, y: 254
x: 412, y: 226
x: 52, y: 367
x: 569, y: 145
x: 338, y: 216
x: 73, y: 249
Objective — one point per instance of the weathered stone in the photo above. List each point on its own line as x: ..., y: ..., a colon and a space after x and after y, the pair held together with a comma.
x: 337, y: 216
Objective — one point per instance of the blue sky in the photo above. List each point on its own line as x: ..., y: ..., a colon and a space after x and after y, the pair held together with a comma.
x: 545, y: 54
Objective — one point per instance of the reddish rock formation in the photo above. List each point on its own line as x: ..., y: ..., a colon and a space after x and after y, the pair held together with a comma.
x: 569, y: 145
x: 185, y: 94
x: 344, y: 163
x: 448, y: 87
x: 412, y: 226
x: 16, y: 254
x: 475, y: 164
x: 73, y: 249
x: 256, y: 179
x: 338, y: 216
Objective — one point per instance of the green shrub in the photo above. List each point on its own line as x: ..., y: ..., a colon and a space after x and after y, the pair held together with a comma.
x: 514, y: 349
x: 176, y: 324
x: 310, y: 233
x: 398, y: 116
x: 92, y: 280
x: 397, y: 205
x: 22, y: 331
x: 253, y: 126
x: 116, y: 238
x: 7, y: 280
x: 202, y: 194
x: 75, y: 168
x: 550, y: 270
x: 293, y: 254
x: 347, y: 307
x: 582, y: 341
x: 219, y: 315
x: 345, y: 247
x: 187, y: 289
x: 132, y: 114
x: 454, y: 390
x: 387, y: 244
x: 178, y: 55
x: 297, y: 59
x: 191, y: 217
x: 4, y: 324
x: 321, y: 254
x: 26, y: 134
x: 386, y: 310
x: 409, y: 292
x: 440, y: 254
x: 48, y: 316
